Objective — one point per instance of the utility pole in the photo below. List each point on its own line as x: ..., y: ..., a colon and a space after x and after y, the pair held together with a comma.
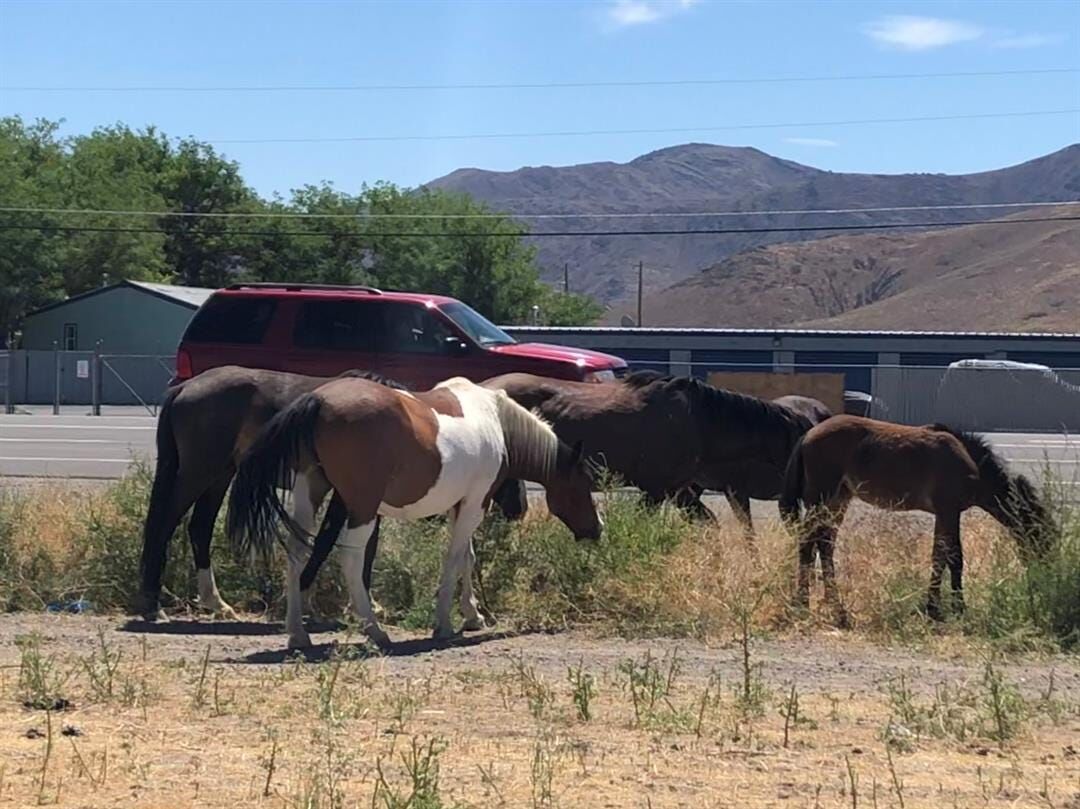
x: 566, y: 278
x: 640, y: 278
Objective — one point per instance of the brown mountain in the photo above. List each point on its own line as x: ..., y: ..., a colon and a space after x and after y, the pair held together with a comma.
x: 990, y: 277
x: 702, y: 177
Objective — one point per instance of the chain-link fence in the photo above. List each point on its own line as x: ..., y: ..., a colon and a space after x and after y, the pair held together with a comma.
x: 975, y: 395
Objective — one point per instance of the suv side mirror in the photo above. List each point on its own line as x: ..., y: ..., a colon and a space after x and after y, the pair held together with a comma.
x: 455, y: 346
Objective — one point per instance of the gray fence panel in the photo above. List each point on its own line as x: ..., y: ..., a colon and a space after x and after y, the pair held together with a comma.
x: 984, y: 400
x: 125, y: 379
x: 905, y: 395
x: 132, y: 380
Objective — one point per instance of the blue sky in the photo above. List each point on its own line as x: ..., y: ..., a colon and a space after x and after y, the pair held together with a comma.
x: 425, y: 42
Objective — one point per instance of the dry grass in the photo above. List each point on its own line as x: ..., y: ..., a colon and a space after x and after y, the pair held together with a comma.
x: 504, y: 730
x: 166, y: 721
x: 652, y: 574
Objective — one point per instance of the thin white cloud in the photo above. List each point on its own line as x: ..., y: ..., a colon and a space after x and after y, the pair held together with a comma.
x: 910, y: 33
x: 820, y: 142
x: 1028, y: 40
x: 626, y: 13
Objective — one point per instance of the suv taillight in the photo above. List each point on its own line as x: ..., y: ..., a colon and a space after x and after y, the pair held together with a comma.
x: 183, y: 365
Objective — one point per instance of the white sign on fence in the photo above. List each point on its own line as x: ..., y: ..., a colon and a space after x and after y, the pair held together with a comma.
x: 82, y: 369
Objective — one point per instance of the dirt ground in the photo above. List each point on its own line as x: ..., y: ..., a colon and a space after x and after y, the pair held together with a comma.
x: 195, y: 713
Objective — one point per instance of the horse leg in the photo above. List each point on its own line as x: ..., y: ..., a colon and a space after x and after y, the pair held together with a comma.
x: 807, y: 554
x: 826, y: 542
x: 946, y: 534
x: 308, y: 491
x: 353, y: 551
x: 740, y: 507
x: 458, y: 562
x: 956, y: 569
x: 200, y: 532
x: 369, y: 564
x: 155, y: 550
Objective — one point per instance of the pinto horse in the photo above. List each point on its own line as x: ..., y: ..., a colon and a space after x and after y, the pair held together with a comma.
x: 935, y: 469
x: 409, y: 456
x: 674, y: 437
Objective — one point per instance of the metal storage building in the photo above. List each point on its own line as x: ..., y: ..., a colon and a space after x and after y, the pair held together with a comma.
x: 118, y: 341
x: 131, y: 317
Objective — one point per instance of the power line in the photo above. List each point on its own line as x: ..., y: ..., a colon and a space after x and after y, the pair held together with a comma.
x: 478, y: 216
x: 565, y: 233
x: 549, y: 85
x: 646, y: 131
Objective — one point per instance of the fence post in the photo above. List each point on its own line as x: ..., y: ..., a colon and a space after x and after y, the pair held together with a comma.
x: 95, y: 380
x: 56, y: 379
x: 9, y: 401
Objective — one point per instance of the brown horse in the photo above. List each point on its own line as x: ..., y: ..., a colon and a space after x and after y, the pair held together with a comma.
x: 404, y: 455
x: 934, y: 469
x: 674, y: 437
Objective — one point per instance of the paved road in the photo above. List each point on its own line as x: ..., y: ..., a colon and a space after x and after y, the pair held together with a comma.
x: 41, y: 445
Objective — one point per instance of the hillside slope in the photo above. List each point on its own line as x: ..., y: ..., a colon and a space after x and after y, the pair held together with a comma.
x: 703, y: 177
x: 991, y: 277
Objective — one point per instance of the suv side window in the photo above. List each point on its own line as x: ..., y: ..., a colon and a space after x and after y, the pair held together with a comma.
x: 231, y: 320
x: 336, y: 325
x: 412, y: 329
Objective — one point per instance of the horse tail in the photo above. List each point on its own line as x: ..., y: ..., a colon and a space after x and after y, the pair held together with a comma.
x: 158, y: 515
x: 794, y: 479
x: 333, y: 522
x: 255, y: 508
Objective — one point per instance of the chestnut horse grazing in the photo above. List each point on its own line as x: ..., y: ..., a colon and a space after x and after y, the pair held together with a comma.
x: 395, y: 454
x: 935, y: 469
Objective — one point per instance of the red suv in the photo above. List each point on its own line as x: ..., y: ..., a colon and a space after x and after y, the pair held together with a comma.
x: 319, y: 330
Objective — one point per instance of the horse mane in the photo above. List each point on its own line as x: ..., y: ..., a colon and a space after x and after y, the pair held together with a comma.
x: 990, y: 465
x: 372, y: 376
x: 532, y: 448
x: 720, y: 401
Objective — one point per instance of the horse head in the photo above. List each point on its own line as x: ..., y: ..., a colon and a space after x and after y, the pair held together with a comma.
x: 1028, y: 518
x: 569, y: 492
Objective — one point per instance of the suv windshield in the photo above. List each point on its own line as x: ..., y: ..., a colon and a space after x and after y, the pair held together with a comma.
x: 474, y: 324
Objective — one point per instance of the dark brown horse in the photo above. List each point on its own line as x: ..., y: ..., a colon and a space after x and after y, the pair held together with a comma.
x: 404, y: 455
x: 205, y: 426
x: 934, y: 469
x: 674, y: 437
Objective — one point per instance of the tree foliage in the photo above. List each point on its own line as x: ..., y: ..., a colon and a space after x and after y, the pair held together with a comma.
x: 443, y: 243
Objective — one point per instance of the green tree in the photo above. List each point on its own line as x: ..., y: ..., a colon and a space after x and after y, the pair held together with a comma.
x: 113, y: 168
x: 384, y: 235
x: 30, y: 158
x: 203, y: 250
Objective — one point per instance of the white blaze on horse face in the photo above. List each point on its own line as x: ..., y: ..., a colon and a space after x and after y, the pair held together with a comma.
x: 471, y: 450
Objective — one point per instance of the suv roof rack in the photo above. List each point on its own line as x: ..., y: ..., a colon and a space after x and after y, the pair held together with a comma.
x: 288, y: 287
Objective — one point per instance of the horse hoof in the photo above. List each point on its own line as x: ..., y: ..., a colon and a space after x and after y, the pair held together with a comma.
x: 381, y: 640
x: 933, y: 612
x: 227, y: 613
x: 475, y: 624
x: 157, y: 616
x: 843, y: 620
x: 299, y: 640
x: 443, y: 633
